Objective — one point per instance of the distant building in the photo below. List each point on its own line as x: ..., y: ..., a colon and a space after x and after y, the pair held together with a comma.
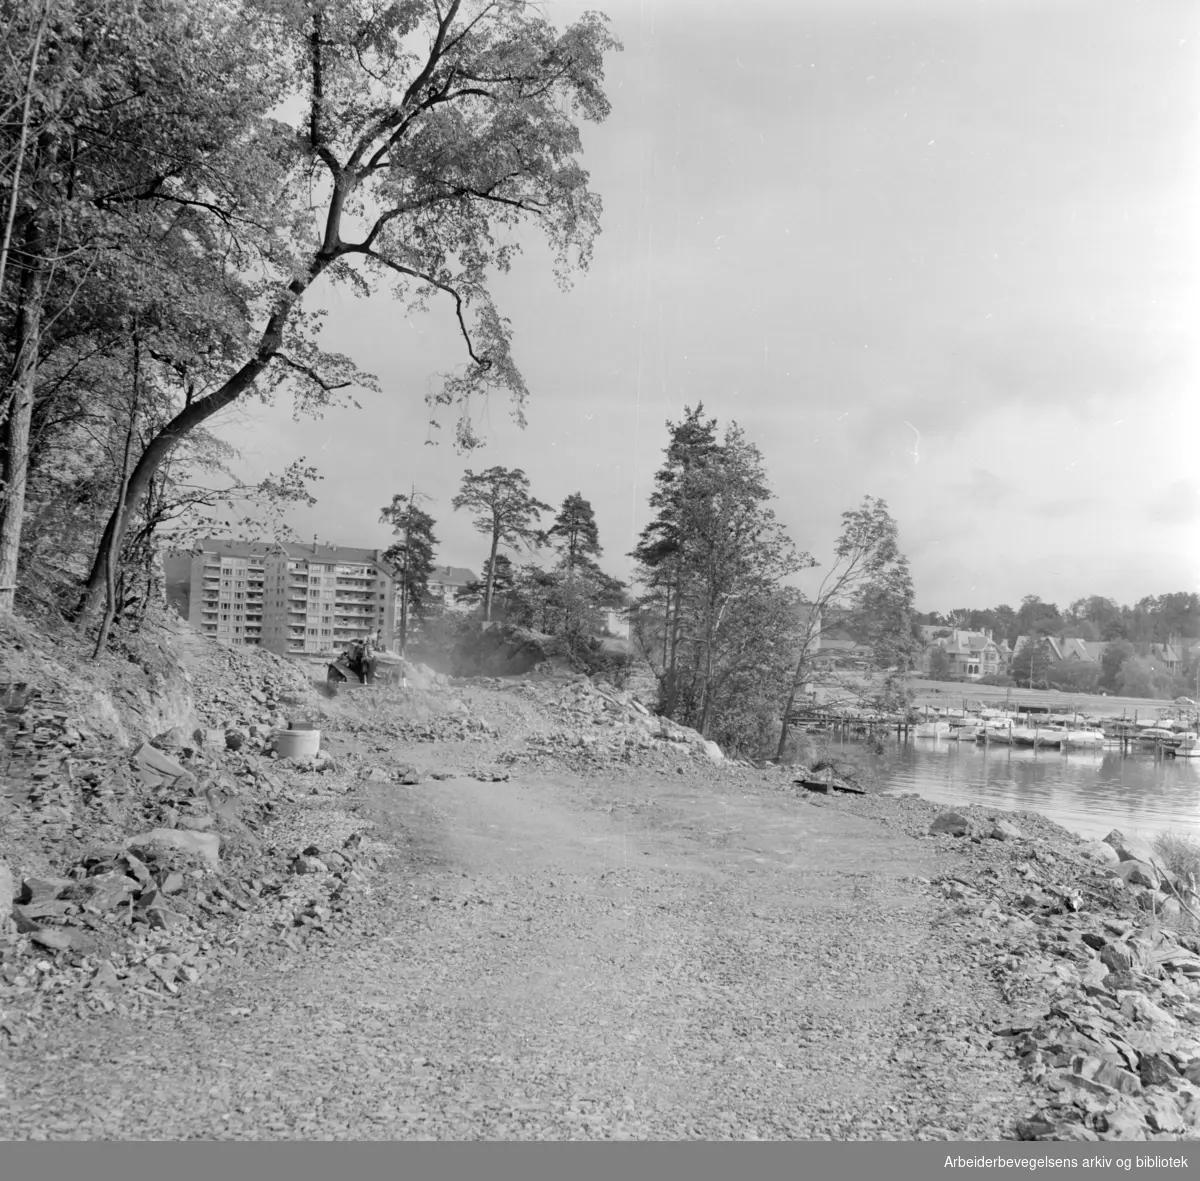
x: 1082, y: 651
x: 1169, y: 654
x: 971, y: 654
x: 290, y: 599
x: 1054, y: 646
x: 445, y: 582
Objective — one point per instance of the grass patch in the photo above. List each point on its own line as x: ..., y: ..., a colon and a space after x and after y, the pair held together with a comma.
x: 1181, y: 853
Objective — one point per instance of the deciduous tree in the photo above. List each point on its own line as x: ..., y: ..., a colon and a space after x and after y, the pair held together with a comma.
x: 432, y: 133
x: 869, y: 571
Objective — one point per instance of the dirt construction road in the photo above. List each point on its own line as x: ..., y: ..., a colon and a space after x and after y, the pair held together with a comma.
x: 554, y: 957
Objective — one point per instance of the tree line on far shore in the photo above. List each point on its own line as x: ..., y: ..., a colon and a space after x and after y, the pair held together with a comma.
x: 1150, y: 648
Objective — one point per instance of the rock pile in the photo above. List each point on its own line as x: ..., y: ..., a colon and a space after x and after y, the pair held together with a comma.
x: 1081, y: 942
x: 123, y: 868
x: 248, y: 692
x: 598, y: 723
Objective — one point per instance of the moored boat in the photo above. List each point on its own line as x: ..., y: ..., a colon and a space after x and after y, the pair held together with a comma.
x: 1038, y: 736
x: 1188, y: 747
x: 1087, y: 739
x: 1153, y: 735
x: 931, y: 729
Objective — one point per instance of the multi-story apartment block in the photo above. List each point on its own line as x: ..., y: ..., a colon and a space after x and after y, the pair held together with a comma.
x: 291, y: 599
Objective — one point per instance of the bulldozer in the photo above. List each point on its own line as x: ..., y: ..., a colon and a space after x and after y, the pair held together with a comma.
x: 381, y: 671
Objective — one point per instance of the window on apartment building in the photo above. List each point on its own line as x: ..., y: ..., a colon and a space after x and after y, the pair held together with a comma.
x: 224, y: 618
x: 312, y: 631
x: 326, y: 631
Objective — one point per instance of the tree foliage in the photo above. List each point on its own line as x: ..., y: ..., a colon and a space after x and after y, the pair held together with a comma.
x: 163, y: 205
x: 870, y: 573
x: 715, y: 618
x: 1032, y: 663
x: 505, y: 511
x: 574, y: 533
x: 411, y: 554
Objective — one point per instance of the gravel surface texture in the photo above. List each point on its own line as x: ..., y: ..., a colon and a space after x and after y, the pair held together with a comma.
x: 634, y: 953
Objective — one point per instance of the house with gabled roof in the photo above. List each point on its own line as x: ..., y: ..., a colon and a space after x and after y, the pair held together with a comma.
x: 1055, y: 646
x: 1169, y: 654
x: 972, y: 654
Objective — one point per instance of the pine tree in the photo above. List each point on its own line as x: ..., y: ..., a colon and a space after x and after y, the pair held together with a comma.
x: 574, y: 533
x: 506, y: 512
x: 411, y: 555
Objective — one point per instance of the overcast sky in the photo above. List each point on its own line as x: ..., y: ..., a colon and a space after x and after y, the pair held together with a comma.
x: 945, y: 253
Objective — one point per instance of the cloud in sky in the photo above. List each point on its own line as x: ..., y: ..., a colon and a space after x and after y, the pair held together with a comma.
x: 1178, y: 503
x: 846, y: 225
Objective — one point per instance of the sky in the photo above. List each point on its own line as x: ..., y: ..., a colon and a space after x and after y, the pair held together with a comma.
x: 943, y: 253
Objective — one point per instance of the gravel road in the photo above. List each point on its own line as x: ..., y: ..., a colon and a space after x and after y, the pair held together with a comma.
x: 556, y: 957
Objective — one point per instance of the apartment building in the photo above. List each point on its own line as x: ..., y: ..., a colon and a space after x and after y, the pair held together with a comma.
x: 293, y: 600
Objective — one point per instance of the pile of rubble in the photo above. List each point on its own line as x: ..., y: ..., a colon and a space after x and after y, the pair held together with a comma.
x: 101, y: 918
x: 250, y: 691
x: 1089, y: 942
x: 598, y: 723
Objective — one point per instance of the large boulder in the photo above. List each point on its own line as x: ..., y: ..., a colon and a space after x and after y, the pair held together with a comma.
x: 952, y: 824
x: 1134, y: 849
x: 1100, y: 852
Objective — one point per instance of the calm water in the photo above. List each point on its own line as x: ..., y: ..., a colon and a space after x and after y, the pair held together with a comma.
x: 1088, y: 793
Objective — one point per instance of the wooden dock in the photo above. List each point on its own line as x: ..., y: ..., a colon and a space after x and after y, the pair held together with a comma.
x: 951, y: 695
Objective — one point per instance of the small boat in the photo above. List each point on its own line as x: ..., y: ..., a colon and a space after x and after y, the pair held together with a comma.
x: 1188, y: 747
x: 1037, y: 736
x: 931, y: 730
x: 966, y: 732
x: 1155, y: 734
x: 1087, y: 739
x: 996, y: 729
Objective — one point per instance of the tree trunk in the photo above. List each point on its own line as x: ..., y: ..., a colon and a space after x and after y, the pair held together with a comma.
x: 491, y: 579
x: 191, y: 416
x: 14, y: 459
x: 671, y: 696
x: 15, y: 190
x: 783, y: 729
x: 110, y: 558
